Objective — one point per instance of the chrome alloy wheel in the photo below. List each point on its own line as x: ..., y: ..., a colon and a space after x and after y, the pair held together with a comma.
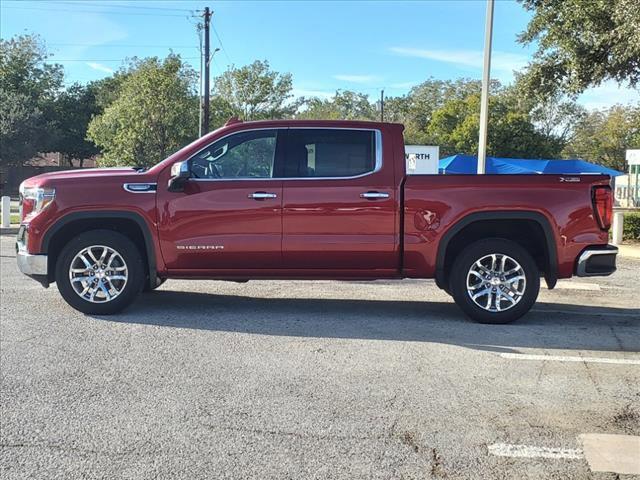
x: 496, y: 282
x: 98, y: 274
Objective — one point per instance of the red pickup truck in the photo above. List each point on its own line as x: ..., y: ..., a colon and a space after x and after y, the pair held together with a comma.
x: 311, y: 200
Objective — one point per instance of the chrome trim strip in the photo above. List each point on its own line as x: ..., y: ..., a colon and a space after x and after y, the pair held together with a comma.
x: 376, y: 169
x: 130, y: 187
x: 581, y: 269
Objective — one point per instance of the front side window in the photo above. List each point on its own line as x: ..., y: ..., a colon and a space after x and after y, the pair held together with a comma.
x: 242, y: 155
x: 329, y: 153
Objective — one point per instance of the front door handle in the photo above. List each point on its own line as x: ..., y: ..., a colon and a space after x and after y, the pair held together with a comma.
x: 374, y: 195
x: 262, y: 195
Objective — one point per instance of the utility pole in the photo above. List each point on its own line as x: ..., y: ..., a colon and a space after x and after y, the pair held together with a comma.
x: 204, y: 120
x: 484, y: 99
x: 200, y: 102
x: 382, y: 105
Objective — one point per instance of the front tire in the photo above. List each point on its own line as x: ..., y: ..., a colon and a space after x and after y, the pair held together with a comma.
x: 495, y: 281
x: 100, y: 272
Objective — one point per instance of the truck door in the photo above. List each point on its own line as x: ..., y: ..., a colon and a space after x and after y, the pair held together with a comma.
x: 339, y: 206
x: 229, y: 215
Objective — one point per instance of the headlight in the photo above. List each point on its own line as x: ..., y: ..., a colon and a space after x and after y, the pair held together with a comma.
x: 34, y: 199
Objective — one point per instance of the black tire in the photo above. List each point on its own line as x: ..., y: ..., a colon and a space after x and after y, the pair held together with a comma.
x: 148, y: 288
x: 476, y: 251
x: 125, y: 248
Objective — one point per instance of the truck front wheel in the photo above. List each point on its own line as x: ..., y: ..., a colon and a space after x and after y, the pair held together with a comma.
x: 495, y: 281
x: 100, y: 272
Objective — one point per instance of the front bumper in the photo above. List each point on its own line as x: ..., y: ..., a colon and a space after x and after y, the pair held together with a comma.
x: 32, y: 264
x: 597, y: 261
x: 35, y: 266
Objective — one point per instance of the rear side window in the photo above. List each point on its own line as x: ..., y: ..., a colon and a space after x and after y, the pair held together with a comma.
x: 328, y: 153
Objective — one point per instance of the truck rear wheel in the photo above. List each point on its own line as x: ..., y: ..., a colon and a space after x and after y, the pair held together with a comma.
x: 495, y: 281
x: 100, y: 272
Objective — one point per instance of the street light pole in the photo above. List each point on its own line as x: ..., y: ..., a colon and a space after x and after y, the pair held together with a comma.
x: 484, y: 100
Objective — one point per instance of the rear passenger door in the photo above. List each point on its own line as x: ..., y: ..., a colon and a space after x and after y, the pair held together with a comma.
x: 339, y: 204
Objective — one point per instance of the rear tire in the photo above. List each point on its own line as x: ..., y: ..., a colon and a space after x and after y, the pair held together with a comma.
x: 494, y: 295
x: 100, y: 272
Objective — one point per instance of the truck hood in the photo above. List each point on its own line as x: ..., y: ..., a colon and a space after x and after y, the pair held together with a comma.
x: 80, y: 174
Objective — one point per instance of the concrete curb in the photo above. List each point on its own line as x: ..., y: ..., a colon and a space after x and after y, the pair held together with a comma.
x: 9, y: 230
x: 632, y: 251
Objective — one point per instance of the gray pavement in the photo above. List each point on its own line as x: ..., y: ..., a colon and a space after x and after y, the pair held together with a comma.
x: 283, y: 379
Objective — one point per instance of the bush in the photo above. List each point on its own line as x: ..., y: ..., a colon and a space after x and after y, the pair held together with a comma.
x: 631, y: 229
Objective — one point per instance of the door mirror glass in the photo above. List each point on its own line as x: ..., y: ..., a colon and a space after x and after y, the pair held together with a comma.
x: 219, y: 152
x: 179, y: 175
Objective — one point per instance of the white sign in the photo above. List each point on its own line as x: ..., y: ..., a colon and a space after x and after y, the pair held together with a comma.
x: 421, y: 159
x: 633, y: 157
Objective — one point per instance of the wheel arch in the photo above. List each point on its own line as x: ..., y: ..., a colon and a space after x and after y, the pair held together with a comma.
x: 492, y: 217
x: 130, y: 224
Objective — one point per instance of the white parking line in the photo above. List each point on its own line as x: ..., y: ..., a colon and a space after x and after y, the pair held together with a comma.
x: 528, y: 451
x: 566, y: 358
x: 571, y: 285
x: 597, y: 314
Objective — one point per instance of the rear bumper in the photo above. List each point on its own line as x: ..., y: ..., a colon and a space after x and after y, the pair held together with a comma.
x: 597, y: 261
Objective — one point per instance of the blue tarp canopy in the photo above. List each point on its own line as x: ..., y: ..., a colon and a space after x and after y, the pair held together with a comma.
x: 468, y: 164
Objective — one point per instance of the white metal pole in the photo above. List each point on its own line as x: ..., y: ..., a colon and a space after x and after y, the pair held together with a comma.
x: 618, y: 227
x: 484, y: 100
x: 6, y: 212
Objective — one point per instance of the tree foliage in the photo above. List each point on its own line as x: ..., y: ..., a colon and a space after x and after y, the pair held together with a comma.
x: 154, y: 113
x: 255, y: 92
x: 344, y: 105
x: 603, y: 136
x: 20, y: 123
x: 73, y: 110
x: 28, y: 87
x: 511, y: 133
x: 582, y: 43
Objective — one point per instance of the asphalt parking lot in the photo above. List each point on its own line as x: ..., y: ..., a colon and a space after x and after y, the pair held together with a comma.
x: 280, y: 379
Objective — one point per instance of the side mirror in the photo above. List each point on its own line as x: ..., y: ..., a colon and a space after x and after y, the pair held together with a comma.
x: 179, y: 175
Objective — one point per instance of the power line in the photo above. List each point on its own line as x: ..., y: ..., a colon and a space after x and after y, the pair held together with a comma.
x: 117, y: 45
x: 108, y: 12
x: 224, y: 50
x: 53, y: 59
x: 119, y: 5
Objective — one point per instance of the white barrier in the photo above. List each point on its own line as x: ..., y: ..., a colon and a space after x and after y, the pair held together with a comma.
x: 618, y: 223
x: 6, y: 212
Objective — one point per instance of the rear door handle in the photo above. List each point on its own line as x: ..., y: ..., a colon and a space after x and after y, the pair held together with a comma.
x: 374, y: 195
x: 262, y: 195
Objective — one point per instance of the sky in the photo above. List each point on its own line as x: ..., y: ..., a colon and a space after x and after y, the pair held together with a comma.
x: 361, y: 45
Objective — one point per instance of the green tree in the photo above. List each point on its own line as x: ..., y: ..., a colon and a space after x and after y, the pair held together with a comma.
x: 255, y: 92
x: 344, y: 105
x: 603, y: 136
x: 73, y: 110
x: 582, y: 43
x: 415, y: 110
x: 28, y: 87
x: 155, y: 113
x: 20, y: 124
x: 511, y: 133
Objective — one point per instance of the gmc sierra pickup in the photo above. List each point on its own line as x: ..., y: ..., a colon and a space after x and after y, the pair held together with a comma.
x: 311, y: 200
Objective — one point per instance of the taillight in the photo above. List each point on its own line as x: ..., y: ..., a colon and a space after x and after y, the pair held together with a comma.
x: 603, y: 206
